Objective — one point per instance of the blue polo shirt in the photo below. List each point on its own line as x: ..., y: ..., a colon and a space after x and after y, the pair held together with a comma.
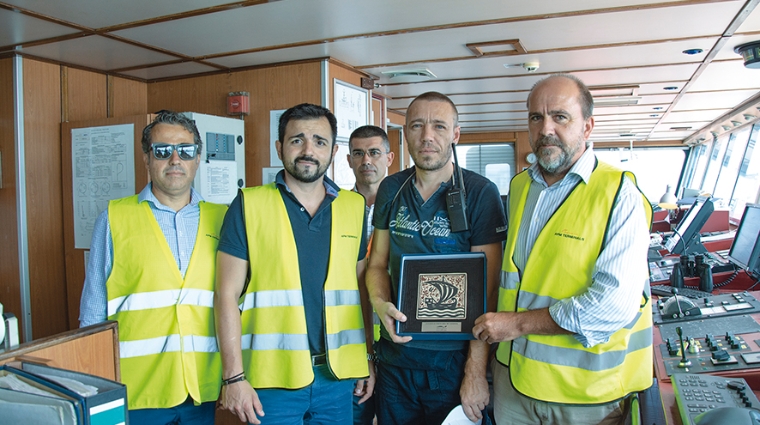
x: 312, y: 236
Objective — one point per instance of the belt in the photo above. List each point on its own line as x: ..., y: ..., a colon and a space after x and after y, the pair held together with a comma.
x: 318, y: 360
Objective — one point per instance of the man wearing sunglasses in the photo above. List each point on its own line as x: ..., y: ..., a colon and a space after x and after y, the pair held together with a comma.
x: 152, y: 268
x: 294, y: 348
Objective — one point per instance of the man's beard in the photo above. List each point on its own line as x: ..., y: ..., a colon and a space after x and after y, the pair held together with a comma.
x: 559, y: 163
x: 304, y: 175
x: 437, y: 165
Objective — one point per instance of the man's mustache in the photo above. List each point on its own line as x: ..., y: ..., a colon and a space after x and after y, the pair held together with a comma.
x: 549, y: 141
x: 306, y: 158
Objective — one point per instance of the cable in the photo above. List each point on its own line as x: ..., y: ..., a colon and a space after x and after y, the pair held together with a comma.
x: 680, y: 239
x: 728, y: 280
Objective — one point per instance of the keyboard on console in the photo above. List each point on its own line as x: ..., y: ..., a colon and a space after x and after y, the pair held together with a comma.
x: 665, y: 291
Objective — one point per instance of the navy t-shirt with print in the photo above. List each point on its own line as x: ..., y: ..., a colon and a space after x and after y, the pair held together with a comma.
x: 423, y: 227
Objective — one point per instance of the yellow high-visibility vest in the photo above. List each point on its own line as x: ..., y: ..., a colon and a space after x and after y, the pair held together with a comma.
x: 274, y: 341
x: 558, y: 368
x: 167, y: 341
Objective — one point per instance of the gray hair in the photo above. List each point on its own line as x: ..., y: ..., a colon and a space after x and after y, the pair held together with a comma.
x: 171, y: 118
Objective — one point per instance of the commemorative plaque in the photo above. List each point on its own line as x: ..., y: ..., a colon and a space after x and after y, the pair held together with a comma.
x: 441, y: 295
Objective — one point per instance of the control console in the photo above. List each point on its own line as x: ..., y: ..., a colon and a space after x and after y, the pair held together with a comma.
x: 697, y: 394
x: 678, y: 308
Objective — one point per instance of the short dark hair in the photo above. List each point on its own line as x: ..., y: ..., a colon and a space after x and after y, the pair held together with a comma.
x: 585, y: 98
x: 307, y: 111
x: 367, y: 131
x: 171, y: 118
x: 434, y: 96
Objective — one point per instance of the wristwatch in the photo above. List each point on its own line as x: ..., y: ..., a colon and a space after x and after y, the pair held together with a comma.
x: 371, y: 357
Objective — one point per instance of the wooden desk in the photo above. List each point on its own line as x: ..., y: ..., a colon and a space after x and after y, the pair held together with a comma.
x: 93, y: 350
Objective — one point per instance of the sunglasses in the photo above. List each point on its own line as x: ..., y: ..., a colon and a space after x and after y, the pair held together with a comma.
x: 186, y: 151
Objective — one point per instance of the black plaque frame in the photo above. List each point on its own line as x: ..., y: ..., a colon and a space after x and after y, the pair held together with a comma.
x: 439, y: 316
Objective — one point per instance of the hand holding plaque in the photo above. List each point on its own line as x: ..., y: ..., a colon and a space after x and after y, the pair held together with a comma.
x: 441, y: 295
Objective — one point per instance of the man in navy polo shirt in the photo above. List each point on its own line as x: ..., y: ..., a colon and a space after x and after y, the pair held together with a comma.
x: 294, y: 346
x: 419, y: 382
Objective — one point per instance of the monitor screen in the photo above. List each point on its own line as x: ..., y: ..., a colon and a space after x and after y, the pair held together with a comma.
x: 745, y: 250
x: 685, y: 240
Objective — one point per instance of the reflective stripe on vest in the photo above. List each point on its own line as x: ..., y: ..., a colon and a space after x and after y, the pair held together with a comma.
x: 275, y: 343
x: 167, y: 344
x: 297, y: 342
x: 160, y: 299
x: 590, y: 360
x: 166, y: 322
x: 294, y: 298
x: 557, y: 368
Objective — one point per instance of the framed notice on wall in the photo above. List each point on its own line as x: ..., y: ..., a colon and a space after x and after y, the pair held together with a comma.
x: 351, y: 108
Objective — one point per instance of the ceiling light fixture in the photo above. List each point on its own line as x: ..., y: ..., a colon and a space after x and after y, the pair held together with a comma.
x: 726, y: 128
x: 692, y: 51
x: 670, y: 88
x: 749, y: 117
x: 654, y: 115
x: 657, y: 108
x: 736, y: 123
x: 751, y: 54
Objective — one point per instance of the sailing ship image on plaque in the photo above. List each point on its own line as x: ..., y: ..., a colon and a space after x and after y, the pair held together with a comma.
x: 442, y: 296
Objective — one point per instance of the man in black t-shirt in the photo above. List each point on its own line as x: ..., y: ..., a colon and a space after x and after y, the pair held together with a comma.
x: 419, y: 382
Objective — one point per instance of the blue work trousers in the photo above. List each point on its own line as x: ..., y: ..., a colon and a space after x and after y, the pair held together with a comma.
x: 327, y: 401
x: 415, y: 386
x: 184, y: 414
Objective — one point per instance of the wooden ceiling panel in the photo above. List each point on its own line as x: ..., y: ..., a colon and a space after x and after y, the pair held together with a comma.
x: 100, y: 13
x: 112, y: 54
x: 17, y: 28
x: 628, y: 51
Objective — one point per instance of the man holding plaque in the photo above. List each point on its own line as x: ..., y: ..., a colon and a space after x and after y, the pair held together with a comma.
x: 420, y: 381
x: 574, y: 321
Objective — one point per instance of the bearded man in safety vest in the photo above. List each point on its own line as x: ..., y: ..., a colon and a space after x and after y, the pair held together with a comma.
x: 152, y: 269
x: 574, y: 321
x: 293, y: 341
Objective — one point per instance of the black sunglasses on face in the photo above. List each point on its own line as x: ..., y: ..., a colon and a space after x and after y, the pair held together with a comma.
x: 186, y: 151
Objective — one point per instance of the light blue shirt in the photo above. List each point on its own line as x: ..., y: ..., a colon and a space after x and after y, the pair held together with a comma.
x: 180, y: 229
x: 621, y: 269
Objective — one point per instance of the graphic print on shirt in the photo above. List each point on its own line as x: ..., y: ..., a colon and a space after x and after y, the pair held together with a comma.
x: 404, y: 225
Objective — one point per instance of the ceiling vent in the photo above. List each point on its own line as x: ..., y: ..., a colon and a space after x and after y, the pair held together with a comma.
x: 409, y: 75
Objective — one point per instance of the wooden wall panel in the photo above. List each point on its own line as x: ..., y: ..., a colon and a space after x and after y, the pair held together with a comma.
x: 396, y: 118
x: 85, y: 95
x: 394, y: 139
x: 10, y: 290
x: 278, y: 87
x: 127, y: 97
x: 47, y: 276
x: 377, y: 113
x: 522, y: 149
x: 488, y: 137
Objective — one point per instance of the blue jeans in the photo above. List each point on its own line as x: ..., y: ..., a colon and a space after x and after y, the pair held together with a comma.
x: 326, y: 401
x: 416, y: 386
x: 185, y: 414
